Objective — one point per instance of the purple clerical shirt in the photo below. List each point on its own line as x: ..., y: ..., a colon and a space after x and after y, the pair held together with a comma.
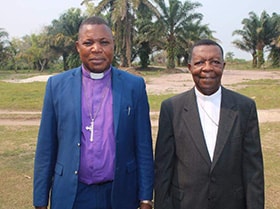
x: 97, y: 155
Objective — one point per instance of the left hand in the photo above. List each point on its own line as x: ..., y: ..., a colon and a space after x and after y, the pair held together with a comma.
x: 145, y: 206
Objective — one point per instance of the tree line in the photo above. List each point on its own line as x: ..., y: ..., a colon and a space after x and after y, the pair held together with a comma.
x: 143, y: 30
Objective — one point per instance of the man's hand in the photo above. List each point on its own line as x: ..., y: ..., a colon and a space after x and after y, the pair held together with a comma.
x: 145, y: 206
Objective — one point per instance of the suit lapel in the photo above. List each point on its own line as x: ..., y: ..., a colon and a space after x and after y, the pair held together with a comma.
x: 227, y: 119
x: 117, y: 86
x: 76, y: 85
x: 192, y: 122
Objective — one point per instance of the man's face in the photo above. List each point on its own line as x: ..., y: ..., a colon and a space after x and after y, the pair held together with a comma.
x: 96, y: 47
x: 207, y: 67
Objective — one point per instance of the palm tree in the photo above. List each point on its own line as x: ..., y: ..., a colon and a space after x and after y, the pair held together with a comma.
x: 248, y: 34
x: 3, y: 36
x: 3, y: 44
x: 63, y: 35
x: 192, y: 32
x: 172, y: 25
x: 122, y: 17
x: 257, y: 32
x: 144, y: 37
x: 275, y: 43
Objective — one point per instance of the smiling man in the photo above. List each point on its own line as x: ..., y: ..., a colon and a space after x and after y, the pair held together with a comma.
x: 94, y: 148
x: 208, y: 151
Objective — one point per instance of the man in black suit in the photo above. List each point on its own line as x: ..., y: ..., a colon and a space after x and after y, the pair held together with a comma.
x: 208, y: 150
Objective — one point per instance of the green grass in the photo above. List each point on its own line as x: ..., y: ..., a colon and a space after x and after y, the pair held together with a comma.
x: 22, y: 96
x: 17, y: 145
x: 270, y: 133
x: 21, y: 74
x: 243, y: 65
x: 155, y: 101
x: 265, y: 92
x: 247, y: 65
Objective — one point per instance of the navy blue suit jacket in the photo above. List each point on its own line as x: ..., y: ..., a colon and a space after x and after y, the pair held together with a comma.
x: 58, y: 149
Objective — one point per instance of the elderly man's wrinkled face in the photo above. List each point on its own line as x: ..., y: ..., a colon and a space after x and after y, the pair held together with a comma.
x: 207, y: 67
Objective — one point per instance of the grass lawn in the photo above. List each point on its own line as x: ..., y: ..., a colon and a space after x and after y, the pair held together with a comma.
x: 270, y: 133
x: 22, y: 96
x: 17, y: 145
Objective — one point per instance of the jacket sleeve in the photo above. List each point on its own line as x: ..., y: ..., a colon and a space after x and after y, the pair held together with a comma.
x: 164, y: 159
x: 253, y: 175
x: 45, y: 155
x: 144, y: 145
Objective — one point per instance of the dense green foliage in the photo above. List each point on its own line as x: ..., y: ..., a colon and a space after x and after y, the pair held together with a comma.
x: 258, y: 33
x: 143, y: 30
x: 138, y: 26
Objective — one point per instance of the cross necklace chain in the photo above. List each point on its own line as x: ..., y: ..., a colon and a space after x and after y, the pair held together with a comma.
x: 207, y: 114
x: 93, y: 117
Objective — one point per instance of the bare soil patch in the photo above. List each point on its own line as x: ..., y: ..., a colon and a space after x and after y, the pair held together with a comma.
x: 179, y: 82
x: 165, y: 83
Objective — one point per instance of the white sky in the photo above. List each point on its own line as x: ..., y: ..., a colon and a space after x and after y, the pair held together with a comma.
x: 23, y: 17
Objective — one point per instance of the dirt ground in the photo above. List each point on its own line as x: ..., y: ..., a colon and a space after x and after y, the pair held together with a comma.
x: 167, y: 83
x: 179, y: 82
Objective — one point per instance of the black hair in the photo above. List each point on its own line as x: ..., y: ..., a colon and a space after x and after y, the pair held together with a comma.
x: 94, y: 20
x: 208, y: 42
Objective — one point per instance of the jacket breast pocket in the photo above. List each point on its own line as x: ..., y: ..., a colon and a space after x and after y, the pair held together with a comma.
x: 129, y: 111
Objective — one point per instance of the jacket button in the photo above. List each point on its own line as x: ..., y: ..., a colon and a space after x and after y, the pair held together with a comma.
x: 76, y: 172
x: 79, y: 144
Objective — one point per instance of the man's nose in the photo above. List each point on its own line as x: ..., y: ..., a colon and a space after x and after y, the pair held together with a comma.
x: 207, y: 65
x: 96, y: 47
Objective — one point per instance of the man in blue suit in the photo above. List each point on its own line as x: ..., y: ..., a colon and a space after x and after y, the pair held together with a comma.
x: 94, y: 148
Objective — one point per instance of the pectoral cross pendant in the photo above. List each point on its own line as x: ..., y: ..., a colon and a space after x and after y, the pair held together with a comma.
x: 91, y: 129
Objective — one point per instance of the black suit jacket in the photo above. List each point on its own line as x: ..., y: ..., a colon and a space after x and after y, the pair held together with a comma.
x: 185, y: 177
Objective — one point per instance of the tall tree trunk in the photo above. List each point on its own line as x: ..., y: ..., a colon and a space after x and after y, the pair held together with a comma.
x: 128, y: 37
x: 260, y: 58
x: 64, y: 58
x: 171, y: 52
x: 255, y: 60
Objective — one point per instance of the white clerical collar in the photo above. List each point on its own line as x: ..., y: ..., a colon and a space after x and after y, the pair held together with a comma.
x: 96, y: 76
x: 208, y: 97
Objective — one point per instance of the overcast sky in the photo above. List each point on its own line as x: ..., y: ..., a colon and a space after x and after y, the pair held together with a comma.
x: 23, y: 17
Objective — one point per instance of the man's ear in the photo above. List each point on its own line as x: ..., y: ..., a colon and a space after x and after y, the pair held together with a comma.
x: 77, y: 46
x: 189, y: 67
x: 224, y: 66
